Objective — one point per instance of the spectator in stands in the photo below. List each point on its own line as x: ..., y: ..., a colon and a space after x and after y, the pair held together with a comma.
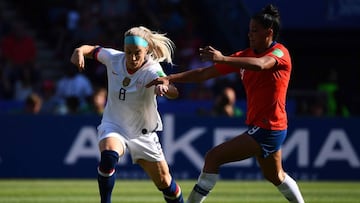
x: 317, y: 107
x: 26, y: 83
x: 47, y: 92
x: 334, y: 102
x: 73, y: 91
x: 225, y: 104
x: 265, y: 69
x: 98, y: 101
x: 33, y: 104
x: 18, y: 50
x: 73, y: 106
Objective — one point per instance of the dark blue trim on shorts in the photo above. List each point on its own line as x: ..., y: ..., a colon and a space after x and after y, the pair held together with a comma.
x: 269, y: 140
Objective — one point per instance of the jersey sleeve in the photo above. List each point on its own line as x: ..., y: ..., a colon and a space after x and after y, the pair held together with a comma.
x: 225, y: 68
x: 281, y: 55
x: 105, y: 55
x: 157, y: 71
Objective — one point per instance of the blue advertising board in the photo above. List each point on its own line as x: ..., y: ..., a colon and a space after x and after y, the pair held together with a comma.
x: 66, y: 147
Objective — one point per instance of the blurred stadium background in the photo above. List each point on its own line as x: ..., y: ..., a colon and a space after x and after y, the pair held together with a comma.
x: 38, y: 38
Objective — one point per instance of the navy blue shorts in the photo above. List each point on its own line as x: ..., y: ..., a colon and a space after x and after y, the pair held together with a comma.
x: 269, y: 140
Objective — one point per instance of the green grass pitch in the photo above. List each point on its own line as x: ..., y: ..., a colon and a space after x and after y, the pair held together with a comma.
x: 131, y: 191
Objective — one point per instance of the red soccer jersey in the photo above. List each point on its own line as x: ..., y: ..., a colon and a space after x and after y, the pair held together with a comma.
x: 265, y: 90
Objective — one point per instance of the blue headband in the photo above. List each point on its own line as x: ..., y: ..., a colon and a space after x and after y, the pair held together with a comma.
x: 136, y: 40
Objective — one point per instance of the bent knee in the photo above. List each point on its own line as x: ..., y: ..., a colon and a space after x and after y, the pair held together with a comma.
x: 107, y: 163
x: 274, y: 178
x: 212, y: 156
x: 212, y: 162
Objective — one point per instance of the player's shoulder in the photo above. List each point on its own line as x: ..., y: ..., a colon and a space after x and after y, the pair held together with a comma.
x: 155, y: 69
x: 280, y: 46
x: 151, y: 65
x: 110, y: 54
x: 111, y: 51
x: 279, y: 50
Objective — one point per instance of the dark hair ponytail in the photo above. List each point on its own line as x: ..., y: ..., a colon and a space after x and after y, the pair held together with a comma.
x: 269, y: 17
x: 271, y: 10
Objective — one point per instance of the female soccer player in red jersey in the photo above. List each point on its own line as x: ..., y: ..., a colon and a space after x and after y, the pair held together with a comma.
x: 265, y: 69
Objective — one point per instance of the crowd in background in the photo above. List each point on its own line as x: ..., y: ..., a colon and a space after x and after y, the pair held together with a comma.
x: 65, y: 24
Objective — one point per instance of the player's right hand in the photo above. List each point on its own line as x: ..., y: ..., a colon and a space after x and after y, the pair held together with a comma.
x: 78, y: 59
x: 157, y: 81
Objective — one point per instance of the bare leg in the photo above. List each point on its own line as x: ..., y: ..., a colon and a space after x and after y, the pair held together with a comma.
x: 272, y: 169
x: 239, y: 148
x: 236, y: 149
x: 160, y: 175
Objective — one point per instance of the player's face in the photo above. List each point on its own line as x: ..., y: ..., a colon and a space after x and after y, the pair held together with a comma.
x: 258, y: 36
x: 135, y: 56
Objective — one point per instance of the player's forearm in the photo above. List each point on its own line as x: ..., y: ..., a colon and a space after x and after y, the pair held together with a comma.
x: 86, y: 50
x: 192, y: 76
x: 249, y: 63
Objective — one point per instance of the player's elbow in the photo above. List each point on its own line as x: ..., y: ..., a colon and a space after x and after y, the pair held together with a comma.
x: 264, y: 63
x: 260, y: 65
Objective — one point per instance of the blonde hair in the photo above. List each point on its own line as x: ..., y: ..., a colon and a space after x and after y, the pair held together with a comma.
x: 161, y: 48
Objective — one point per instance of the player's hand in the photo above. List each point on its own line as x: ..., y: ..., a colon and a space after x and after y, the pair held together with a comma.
x: 208, y: 53
x: 169, y: 91
x: 157, y: 81
x: 161, y: 90
x: 78, y: 59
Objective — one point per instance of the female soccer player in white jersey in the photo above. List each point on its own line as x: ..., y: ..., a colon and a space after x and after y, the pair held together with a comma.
x: 130, y: 119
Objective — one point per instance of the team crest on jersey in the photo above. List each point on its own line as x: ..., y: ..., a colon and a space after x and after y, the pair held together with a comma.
x: 278, y: 53
x: 139, y: 84
x: 126, y: 81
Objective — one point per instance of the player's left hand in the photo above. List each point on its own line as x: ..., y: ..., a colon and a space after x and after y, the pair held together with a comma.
x: 78, y: 59
x: 157, y: 81
x: 161, y: 89
x: 208, y: 53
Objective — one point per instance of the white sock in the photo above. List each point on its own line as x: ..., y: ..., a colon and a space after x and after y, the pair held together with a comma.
x: 290, y: 190
x: 205, y: 184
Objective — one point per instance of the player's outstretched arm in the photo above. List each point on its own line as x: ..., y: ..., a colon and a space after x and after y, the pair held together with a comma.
x: 79, y: 54
x: 191, y: 76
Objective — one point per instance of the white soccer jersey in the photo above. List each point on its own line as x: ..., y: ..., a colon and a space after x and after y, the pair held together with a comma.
x: 131, y: 107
